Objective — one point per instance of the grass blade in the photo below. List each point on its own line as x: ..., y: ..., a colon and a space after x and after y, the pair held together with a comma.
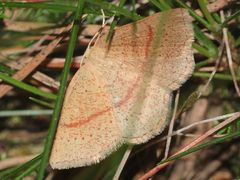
x: 61, y: 92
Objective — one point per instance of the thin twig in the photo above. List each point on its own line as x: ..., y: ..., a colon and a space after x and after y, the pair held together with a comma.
x: 218, y: 60
x: 96, y: 35
x: 59, y: 62
x: 39, y: 76
x: 192, y: 144
x: 123, y: 162
x: 170, y: 130
x: 36, y: 61
x: 203, y: 122
x: 229, y: 55
x: 179, y: 132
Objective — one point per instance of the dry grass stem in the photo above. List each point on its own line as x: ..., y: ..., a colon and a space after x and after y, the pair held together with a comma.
x: 194, y: 143
x: 229, y: 55
x: 36, y: 61
x: 170, y: 129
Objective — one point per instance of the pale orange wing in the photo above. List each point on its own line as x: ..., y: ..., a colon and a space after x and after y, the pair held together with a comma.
x: 123, y: 92
x: 142, y: 64
x: 158, y: 46
x: 87, y: 130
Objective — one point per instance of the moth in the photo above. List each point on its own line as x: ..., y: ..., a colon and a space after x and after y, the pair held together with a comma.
x: 123, y: 92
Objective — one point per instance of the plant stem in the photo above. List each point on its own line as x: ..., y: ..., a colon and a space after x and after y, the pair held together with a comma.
x: 226, y: 77
x: 60, y: 97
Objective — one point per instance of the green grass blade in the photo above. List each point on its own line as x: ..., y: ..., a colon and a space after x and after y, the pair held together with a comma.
x: 205, y: 41
x: 61, y: 92
x: 48, y: 6
x: 66, y: 8
x: 114, y: 9
x: 226, y: 77
x: 166, y: 4
x: 6, y: 69
x: 161, y: 4
x: 202, y: 63
x: 41, y: 102
x: 203, y: 6
x: 194, y: 14
x: 133, y: 4
x: 26, y: 87
x: 12, y: 172
x: 202, y: 50
x: 28, y: 171
x: 114, y: 22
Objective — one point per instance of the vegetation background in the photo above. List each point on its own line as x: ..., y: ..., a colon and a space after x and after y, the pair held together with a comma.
x: 37, y: 43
